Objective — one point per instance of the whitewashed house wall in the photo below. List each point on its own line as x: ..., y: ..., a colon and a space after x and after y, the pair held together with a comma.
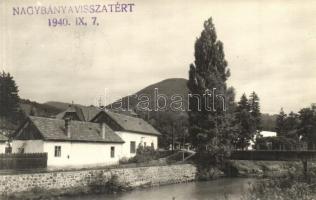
x: 2, y: 147
x: 72, y: 153
x: 138, y: 138
x: 82, y: 154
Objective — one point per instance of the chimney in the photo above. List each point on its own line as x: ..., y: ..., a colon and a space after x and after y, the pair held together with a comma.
x: 103, y: 130
x: 67, y: 127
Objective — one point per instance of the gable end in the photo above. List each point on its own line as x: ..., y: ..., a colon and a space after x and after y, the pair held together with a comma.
x: 28, y: 132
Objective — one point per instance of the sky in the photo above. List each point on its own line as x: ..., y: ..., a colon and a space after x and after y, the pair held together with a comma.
x: 270, y: 47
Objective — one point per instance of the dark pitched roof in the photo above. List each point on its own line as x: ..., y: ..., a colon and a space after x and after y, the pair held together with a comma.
x: 128, y: 123
x: 133, y: 124
x: 90, y: 112
x: 85, y: 113
x: 3, y: 138
x: 54, y: 129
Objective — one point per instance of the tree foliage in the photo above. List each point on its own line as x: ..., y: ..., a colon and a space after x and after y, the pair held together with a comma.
x: 275, y: 143
x: 210, y: 130
x: 9, y: 101
x: 307, y: 126
x: 247, y: 120
x: 287, y: 125
x: 300, y: 127
x: 280, y: 123
x: 144, y: 154
x: 172, y: 127
x: 255, y: 113
x: 243, y: 121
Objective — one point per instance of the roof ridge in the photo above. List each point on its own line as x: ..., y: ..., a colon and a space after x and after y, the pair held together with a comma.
x: 55, y: 119
x: 123, y: 114
x: 53, y: 129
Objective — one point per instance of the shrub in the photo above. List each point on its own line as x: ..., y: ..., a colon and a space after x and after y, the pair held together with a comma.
x: 145, y: 154
x: 279, y: 189
x: 277, y: 143
x: 112, y: 186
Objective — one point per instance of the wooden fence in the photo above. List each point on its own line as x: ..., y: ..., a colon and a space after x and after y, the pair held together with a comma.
x: 23, y: 161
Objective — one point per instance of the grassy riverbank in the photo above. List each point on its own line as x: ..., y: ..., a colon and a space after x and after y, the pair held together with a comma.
x: 279, y: 189
x: 244, y: 168
x: 280, y: 180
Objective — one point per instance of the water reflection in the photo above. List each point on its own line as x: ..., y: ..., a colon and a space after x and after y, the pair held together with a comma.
x: 210, y: 190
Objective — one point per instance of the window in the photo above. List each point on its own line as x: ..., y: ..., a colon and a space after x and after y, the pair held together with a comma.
x: 57, y: 151
x: 133, y: 147
x: 112, y: 152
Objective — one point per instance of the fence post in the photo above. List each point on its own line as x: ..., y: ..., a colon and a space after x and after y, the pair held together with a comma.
x: 305, y: 168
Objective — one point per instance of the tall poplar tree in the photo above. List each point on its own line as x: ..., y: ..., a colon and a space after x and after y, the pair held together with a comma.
x: 209, y: 129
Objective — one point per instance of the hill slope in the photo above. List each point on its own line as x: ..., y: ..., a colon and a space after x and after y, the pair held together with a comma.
x: 166, y: 88
x: 165, y: 120
x: 168, y: 121
x: 38, y: 109
x: 59, y: 105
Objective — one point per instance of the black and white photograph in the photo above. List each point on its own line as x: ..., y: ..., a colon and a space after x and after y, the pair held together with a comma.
x: 157, y: 100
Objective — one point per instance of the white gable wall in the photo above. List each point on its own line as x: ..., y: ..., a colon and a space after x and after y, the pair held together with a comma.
x: 2, y: 147
x: 138, y: 138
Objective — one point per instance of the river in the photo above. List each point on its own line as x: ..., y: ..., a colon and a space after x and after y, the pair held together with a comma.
x: 208, y: 190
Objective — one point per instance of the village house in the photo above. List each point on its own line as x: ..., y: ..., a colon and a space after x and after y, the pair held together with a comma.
x: 83, y: 136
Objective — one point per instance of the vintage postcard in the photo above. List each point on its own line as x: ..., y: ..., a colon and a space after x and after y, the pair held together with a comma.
x: 175, y: 100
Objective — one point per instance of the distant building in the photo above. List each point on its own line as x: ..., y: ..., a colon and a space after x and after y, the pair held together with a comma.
x: 262, y: 134
x: 268, y: 134
x: 84, y: 136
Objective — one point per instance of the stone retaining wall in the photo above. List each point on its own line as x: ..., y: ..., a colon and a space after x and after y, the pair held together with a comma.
x: 129, y: 177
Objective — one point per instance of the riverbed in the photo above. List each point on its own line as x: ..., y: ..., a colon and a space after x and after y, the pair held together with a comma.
x: 234, y: 188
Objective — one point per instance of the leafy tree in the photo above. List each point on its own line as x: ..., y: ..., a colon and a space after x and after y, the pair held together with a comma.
x: 246, y: 127
x: 144, y: 154
x: 291, y: 125
x: 9, y: 101
x: 275, y: 143
x: 307, y: 126
x: 210, y: 130
x: 173, y: 128
x: 280, y: 123
x: 268, y: 121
